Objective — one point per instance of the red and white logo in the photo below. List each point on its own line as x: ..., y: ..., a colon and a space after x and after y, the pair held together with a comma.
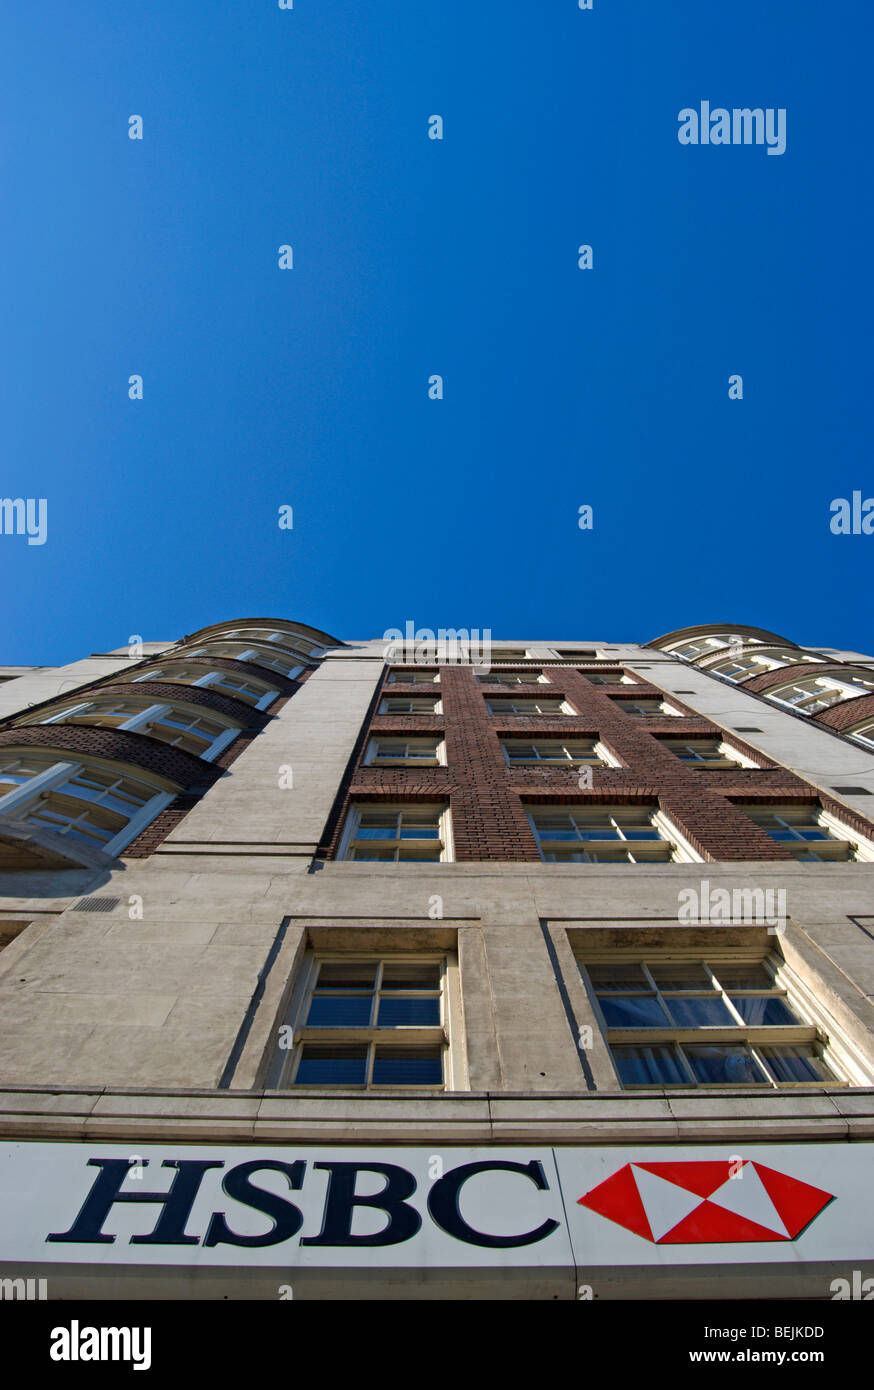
x: 700, y: 1203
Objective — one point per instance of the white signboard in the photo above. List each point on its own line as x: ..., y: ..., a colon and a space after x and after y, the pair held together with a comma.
x: 551, y: 1214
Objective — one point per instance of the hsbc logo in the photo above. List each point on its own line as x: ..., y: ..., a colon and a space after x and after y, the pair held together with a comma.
x: 244, y: 1183
x: 567, y: 1214
x: 707, y: 1202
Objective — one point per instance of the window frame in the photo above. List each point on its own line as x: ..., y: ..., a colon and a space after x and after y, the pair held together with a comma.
x: 353, y: 821
x: 284, y: 1063
x: 373, y: 759
x: 57, y: 773
x: 669, y: 838
x: 500, y: 705
x: 814, y: 1027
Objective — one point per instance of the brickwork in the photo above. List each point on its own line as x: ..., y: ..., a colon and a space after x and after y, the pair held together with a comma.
x: 847, y: 713
x: 488, y: 798
x: 787, y: 674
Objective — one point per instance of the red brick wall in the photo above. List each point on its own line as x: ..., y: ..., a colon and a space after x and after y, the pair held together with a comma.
x: 488, y: 798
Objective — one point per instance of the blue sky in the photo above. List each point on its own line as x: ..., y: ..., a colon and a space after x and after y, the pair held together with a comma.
x: 412, y: 257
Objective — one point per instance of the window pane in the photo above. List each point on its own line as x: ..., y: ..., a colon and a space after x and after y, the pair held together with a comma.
x: 727, y: 1064
x: 649, y: 1066
x: 421, y: 1012
x: 691, y: 975
x: 424, y: 975
x: 796, y: 1064
x: 641, y: 1011
x: 408, y: 1067
x: 760, y: 1010
x: 689, y: 1012
x: 339, y: 1011
x: 332, y: 1066
x: 347, y: 975
x: 617, y: 976
x: 753, y: 976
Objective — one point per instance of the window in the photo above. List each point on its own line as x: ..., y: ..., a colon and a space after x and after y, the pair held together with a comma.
x: 412, y: 833
x: 307, y: 651
x: 742, y: 667
x: 247, y: 688
x: 540, y: 705
x: 514, y: 678
x: 92, y: 804
x: 707, y: 646
x: 410, y: 704
x: 812, y: 834
x: 186, y: 727
x: 815, y: 693
x: 413, y: 675
x: 367, y: 1022
x: 281, y: 661
x: 574, y: 751
x: 400, y: 751
x: 581, y: 654
x: 863, y: 733
x: 509, y: 653
x: 645, y: 707
x: 608, y: 678
x: 745, y: 665
x: 724, y: 1021
x: 605, y: 834
x: 706, y: 753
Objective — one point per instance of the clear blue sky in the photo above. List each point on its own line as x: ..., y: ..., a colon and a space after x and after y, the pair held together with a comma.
x: 412, y: 257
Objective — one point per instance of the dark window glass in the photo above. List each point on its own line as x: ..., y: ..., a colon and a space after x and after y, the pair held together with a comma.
x: 339, y: 1011
x: 640, y: 1012
x: 689, y: 1012
x: 649, y: 1066
x: 335, y: 1066
x: 726, y: 1064
x: 419, y: 1067
x: 763, y: 1010
x: 421, y: 1012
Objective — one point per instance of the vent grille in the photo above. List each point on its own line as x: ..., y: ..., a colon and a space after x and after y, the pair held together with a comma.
x: 97, y: 904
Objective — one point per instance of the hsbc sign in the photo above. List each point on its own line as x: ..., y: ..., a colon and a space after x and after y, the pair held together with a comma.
x: 554, y: 1215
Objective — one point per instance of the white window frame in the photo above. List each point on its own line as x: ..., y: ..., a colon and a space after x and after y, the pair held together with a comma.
x: 859, y: 848
x: 256, y: 656
x: 664, y: 709
x: 816, y: 1027
x: 373, y: 759
x: 353, y: 821
x: 724, y: 754
x: 811, y: 689
x: 448, y: 1034
x: 151, y: 714
x: 514, y: 678
x: 600, y: 757
x: 863, y: 733
x: 678, y: 847
x: 15, y: 803
x: 406, y: 714
x: 505, y: 705
x: 413, y: 675
x: 171, y: 673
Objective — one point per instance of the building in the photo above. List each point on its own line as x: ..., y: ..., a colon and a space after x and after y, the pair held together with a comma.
x: 543, y: 971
